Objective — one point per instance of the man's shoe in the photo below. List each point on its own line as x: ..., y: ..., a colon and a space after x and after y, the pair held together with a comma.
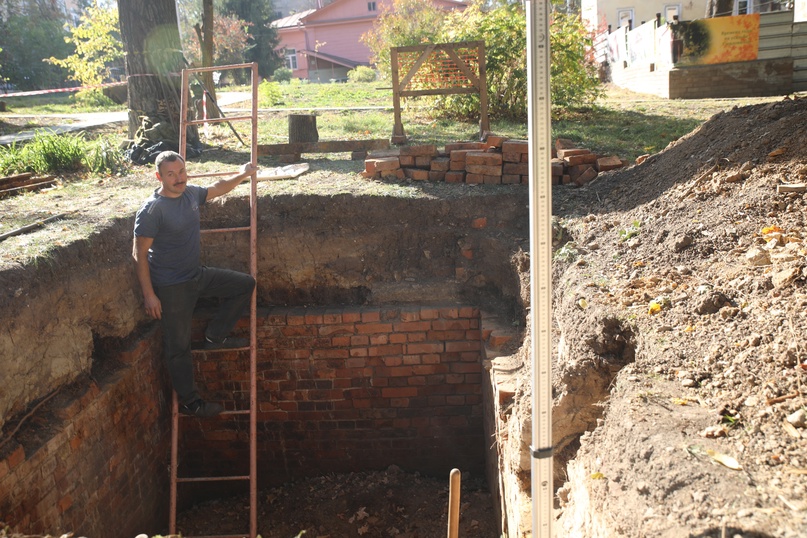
x: 201, y: 408
x: 227, y: 343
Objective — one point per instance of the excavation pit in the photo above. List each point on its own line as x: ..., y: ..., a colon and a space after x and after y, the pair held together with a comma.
x: 374, y: 318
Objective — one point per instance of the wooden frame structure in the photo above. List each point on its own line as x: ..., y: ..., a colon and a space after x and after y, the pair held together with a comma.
x: 438, y: 69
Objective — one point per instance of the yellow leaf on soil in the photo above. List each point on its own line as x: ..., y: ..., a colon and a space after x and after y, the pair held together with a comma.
x: 597, y: 476
x: 771, y: 229
x: 724, y: 459
x: 654, y: 309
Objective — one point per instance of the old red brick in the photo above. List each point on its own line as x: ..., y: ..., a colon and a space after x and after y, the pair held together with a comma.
x: 563, y: 153
x: 416, y: 174
x: 485, y: 170
x: 479, y: 223
x: 426, y: 149
x: 495, y: 141
x: 608, y: 163
x: 423, y: 161
x: 586, y: 158
x: 511, y: 179
x: 387, y: 164
x: 474, y: 178
x: 437, y: 175
x: 407, y: 160
x: 456, y: 176
x: 483, y: 158
x: 516, y: 168
x: 515, y: 146
x: 441, y: 164
x: 465, y: 145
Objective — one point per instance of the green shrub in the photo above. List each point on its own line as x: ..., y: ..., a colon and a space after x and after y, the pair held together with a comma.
x: 50, y: 153
x: 269, y: 94
x: 282, y: 74
x: 361, y: 74
x: 92, y: 99
x: 103, y: 156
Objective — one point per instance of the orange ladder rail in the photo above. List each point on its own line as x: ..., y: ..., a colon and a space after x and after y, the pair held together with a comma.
x: 253, y: 263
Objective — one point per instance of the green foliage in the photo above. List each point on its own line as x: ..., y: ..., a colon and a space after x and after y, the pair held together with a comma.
x: 505, y: 60
x: 92, y: 99
x: 574, y: 80
x: 361, y: 74
x: 269, y: 94
x: 633, y: 231
x: 103, y: 157
x: 27, y: 41
x: 263, y: 38
x: 282, y: 75
x: 401, y: 23
x: 98, y: 47
x: 50, y: 153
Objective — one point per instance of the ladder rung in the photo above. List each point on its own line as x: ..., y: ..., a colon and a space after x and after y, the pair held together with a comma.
x: 219, y: 120
x: 220, y: 536
x: 235, y: 412
x: 223, y: 230
x: 203, y: 350
x: 211, y: 478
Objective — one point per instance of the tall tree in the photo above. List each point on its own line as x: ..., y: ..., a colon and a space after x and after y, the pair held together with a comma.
x: 205, y: 35
x: 154, y: 60
x: 264, y: 38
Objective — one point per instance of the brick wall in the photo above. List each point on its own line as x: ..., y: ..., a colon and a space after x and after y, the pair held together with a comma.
x: 339, y: 390
x: 348, y: 389
x: 93, y: 457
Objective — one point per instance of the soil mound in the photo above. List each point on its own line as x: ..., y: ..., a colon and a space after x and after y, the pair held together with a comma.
x: 694, y: 262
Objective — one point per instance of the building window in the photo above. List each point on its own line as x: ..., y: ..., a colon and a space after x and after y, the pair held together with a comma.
x: 291, y: 59
x: 624, y: 17
x: 371, y: 6
x: 671, y: 11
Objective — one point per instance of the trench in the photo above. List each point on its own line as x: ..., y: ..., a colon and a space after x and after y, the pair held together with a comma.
x: 374, y: 325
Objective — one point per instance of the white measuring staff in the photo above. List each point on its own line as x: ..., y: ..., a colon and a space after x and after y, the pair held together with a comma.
x: 540, y: 154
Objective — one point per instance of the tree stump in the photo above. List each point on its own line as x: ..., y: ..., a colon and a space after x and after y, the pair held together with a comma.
x: 303, y: 128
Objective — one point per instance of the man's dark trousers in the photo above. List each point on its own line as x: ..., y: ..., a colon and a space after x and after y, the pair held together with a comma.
x: 178, y: 302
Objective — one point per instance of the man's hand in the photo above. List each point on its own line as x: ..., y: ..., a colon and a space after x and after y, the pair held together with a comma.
x: 154, y: 307
x: 223, y: 186
x: 248, y: 168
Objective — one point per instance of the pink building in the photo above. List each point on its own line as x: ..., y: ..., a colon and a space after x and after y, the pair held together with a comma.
x: 323, y: 44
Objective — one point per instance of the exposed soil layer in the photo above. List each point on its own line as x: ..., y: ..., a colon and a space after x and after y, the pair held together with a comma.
x: 697, y: 263
x: 373, y: 504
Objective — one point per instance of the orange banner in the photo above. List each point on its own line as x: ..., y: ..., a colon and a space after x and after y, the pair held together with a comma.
x: 716, y: 41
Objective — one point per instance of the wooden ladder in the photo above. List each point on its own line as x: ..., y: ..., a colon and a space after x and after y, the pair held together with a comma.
x: 253, y: 231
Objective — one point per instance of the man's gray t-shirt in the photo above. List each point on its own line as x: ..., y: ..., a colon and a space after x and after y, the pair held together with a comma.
x: 173, y: 223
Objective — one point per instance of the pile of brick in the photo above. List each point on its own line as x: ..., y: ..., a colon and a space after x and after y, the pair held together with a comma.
x: 572, y: 165
x: 497, y: 160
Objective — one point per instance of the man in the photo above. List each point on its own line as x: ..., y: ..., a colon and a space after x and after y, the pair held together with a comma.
x: 166, y: 253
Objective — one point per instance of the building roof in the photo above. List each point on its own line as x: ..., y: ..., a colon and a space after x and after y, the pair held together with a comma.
x: 292, y: 20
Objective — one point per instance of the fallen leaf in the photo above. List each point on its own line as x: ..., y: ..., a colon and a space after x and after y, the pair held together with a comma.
x: 597, y: 476
x: 771, y: 229
x: 582, y: 303
x: 680, y: 401
x: 777, y: 152
x: 654, y: 308
x: 724, y: 459
x: 790, y: 429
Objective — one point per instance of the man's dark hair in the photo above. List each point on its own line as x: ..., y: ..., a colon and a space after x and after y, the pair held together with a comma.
x: 167, y: 156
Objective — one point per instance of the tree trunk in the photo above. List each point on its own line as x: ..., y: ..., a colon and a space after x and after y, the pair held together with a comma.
x: 207, y: 57
x: 303, y: 128
x: 154, y: 61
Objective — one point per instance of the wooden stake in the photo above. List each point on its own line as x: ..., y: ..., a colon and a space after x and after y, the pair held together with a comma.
x: 454, y: 504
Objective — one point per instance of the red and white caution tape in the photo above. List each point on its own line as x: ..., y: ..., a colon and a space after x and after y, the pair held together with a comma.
x: 61, y: 90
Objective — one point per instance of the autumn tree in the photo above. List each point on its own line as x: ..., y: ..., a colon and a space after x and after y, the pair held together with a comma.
x: 263, y: 38
x: 97, y: 44
x: 401, y: 23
